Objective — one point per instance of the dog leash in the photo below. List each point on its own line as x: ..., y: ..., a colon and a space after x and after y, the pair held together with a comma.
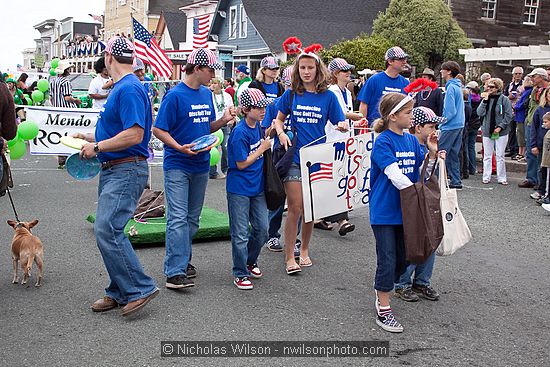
x: 13, y: 206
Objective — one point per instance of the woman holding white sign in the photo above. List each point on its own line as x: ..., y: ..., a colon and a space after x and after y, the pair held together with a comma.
x: 311, y: 105
x: 340, y: 74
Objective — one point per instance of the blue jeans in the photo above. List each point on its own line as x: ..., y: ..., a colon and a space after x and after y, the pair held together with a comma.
x: 472, y: 136
x: 422, y: 274
x: 120, y: 188
x: 532, y: 164
x: 223, y: 160
x: 246, y: 245
x: 451, y: 141
x: 184, y: 199
x: 390, y: 256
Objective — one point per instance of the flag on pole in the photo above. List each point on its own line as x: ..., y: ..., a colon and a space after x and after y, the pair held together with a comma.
x: 320, y: 171
x: 98, y: 18
x: 148, y: 50
x: 201, y: 26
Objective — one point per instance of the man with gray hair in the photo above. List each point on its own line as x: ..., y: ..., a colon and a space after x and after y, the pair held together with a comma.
x: 484, y: 78
x: 513, y: 92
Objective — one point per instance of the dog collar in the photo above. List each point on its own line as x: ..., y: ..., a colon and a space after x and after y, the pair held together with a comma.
x: 18, y: 225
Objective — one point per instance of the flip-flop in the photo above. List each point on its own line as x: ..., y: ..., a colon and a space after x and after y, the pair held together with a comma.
x: 346, y: 228
x: 305, y: 262
x: 322, y: 225
x: 293, y: 269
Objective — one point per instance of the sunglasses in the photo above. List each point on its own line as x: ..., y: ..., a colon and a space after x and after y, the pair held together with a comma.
x: 273, y: 69
x: 491, y: 86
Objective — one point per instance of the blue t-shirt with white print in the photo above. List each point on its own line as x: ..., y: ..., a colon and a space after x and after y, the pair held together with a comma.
x: 375, y: 88
x: 186, y: 113
x: 310, y: 113
x: 244, y: 141
x: 271, y: 90
x: 389, y: 148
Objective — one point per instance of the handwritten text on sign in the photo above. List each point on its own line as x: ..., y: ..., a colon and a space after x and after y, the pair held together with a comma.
x: 336, y: 176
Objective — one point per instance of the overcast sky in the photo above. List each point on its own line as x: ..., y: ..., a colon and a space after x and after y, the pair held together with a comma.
x: 19, y: 17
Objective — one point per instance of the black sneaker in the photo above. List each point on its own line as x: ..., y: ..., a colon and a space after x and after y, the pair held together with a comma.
x: 406, y: 294
x: 191, y: 271
x: 457, y: 187
x: 178, y: 282
x: 426, y: 291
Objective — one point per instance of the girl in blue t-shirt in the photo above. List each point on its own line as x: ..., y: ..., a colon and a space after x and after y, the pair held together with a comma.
x: 311, y: 105
x: 245, y: 188
x: 396, y: 160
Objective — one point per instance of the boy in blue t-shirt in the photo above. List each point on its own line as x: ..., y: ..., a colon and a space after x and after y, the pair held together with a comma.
x: 245, y: 188
x: 186, y: 113
x: 424, y: 122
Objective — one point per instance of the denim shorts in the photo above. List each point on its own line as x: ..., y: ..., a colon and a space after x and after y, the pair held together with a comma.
x: 294, y: 173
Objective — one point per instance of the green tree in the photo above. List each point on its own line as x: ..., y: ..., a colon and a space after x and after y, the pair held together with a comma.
x: 425, y: 29
x: 364, y: 51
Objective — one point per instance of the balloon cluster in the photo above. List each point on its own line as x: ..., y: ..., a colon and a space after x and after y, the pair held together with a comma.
x: 27, y: 130
x: 54, y: 64
x: 215, y: 154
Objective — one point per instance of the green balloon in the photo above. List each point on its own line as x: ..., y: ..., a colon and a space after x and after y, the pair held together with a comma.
x: 55, y: 63
x: 43, y: 85
x: 29, y: 101
x: 18, y: 150
x: 27, y: 130
x: 214, y: 156
x: 25, y: 96
x: 12, y: 142
x: 37, y: 96
x: 52, y: 72
x: 219, y: 135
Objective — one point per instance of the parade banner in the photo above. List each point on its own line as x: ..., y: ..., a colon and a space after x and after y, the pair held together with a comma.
x: 336, y: 176
x: 55, y: 122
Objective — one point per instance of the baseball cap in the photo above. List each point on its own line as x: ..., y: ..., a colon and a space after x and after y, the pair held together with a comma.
x: 138, y: 64
x: 395, y: 53
x: 204, y: 57
x: 252, y: 97
x: 539, y: 71
x: 269, y: 62
x: 340, y: 64
x: 425, y: 115
x: 286, y: 75
x: 118, y: 46
x: 472, y: 85
x: 243, y: 69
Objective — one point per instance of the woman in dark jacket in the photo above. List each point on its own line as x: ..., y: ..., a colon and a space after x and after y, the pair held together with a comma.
x: 536, y: 139
x: 495, y: 110
x: 473, y: 125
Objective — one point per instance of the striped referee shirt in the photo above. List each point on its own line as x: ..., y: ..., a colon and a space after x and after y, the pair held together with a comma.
x: 59, y: 88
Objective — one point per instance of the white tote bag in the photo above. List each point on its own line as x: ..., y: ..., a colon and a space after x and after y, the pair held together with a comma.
x: 457, y: 233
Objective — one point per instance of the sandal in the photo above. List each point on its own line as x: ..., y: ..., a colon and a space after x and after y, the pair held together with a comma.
x: 322, y: 225
x: 346, y: 228
x: 504, y: 183
x: 305, y: 262
x: 293, y: 269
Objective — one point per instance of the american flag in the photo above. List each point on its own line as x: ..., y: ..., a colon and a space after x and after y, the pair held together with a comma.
x: 98, y: 18
x: 201, y: 26
x: 148, y: 50
x: 320, y: 171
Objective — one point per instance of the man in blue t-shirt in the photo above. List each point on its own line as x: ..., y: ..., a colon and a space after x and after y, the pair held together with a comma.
x: 121, y: 136
x: 187, y: 113
x: 383, y: 83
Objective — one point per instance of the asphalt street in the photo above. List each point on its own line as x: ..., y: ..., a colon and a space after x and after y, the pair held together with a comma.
x: 493, y: 309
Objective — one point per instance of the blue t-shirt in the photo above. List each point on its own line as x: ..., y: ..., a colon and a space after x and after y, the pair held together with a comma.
x: 243, y: 141
x: 186, y: 113
x: 389, y: 147
x: 310, y: 113
x: 271, y: 90
x: 127, y: 105
x: 375, y: 88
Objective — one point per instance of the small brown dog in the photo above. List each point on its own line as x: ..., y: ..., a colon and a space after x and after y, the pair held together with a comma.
x: 26, y: 248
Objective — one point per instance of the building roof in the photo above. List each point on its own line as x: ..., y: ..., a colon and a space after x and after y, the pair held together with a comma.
x: 176, y: 22
x: 324, y: 22
x: 172, y: 6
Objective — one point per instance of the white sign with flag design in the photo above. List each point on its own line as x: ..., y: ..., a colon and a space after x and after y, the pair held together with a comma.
x: 336, y: 176
x: 54, y: 122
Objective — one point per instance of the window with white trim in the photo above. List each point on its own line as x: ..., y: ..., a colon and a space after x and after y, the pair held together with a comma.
x: 531, y: 11
x: 243, y: 23
x: 232, y: 22
x: 488, y: 9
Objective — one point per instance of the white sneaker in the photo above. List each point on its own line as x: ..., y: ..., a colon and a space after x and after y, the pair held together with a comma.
x: 535, y: 195
x: 546, y: 207
x: 243, y: 283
